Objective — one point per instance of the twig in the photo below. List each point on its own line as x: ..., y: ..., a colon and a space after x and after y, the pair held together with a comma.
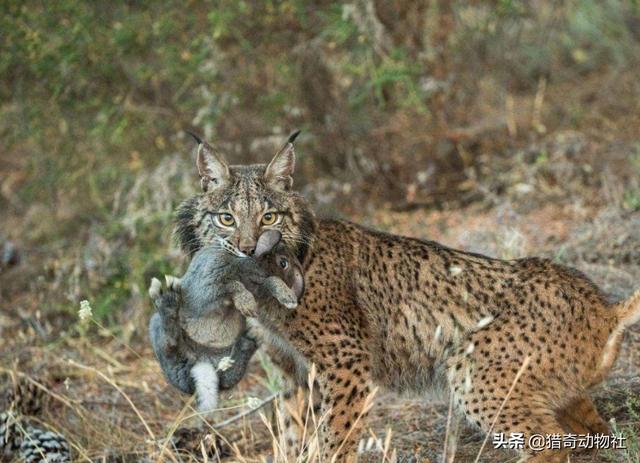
x: 512, y: 125
x: 446, y: 432
x: 537, y: 106
x: 239, y: 416
x: 36, y: 325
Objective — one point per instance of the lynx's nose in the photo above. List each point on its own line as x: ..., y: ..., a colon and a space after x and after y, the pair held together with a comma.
x: 248, y: 248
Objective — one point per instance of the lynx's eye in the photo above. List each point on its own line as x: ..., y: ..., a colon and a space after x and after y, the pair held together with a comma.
x: 270, y: 218
x: 284, y: 263
x: 226, y: 220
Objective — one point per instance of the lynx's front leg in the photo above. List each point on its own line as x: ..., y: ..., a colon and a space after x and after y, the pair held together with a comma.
x: 345, y: 390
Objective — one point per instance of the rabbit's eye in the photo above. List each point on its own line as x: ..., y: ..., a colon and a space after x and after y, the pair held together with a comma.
x: 284, y: 263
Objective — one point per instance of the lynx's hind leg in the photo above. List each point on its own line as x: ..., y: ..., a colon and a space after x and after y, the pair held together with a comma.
x: 288, y: 418
x: 582, y: 417
x: 281, y: 292
x: 505, y: 383
x: 243, y: 300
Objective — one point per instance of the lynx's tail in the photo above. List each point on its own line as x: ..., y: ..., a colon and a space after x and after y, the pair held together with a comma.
x: 628, y: 311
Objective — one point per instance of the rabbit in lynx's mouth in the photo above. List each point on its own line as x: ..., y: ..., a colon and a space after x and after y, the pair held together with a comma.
x: 198, y: 332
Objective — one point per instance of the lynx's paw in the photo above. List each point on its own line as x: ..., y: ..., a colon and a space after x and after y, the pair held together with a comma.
x: 370, y: 445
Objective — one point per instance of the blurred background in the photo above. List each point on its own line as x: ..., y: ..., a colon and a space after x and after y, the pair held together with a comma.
x: 508, y: 127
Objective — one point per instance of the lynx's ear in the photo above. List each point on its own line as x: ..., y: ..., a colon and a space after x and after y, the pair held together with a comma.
x: 213, y: 169
x: 279, y: 172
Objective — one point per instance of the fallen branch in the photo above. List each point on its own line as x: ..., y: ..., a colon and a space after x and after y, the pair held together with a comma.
x: 246, y: 413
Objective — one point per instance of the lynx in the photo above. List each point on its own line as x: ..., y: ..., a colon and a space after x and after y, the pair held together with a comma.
x: 200, y: 319
x: 413, y: 315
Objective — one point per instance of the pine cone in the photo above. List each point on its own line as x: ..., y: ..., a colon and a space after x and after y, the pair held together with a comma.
x: 25, y: 398
x: 40, y: 446
x: 10, y: 436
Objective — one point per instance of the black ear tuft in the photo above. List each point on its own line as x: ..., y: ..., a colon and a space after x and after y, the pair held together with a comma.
x: 293, y: 136
x: 195, y: 137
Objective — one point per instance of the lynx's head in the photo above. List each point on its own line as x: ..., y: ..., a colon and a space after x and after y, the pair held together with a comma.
x: 238, y: 203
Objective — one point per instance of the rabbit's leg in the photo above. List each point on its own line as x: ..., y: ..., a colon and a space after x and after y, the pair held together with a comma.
x: 243, y: 299
x: 231, y: 369
x: 277, y: 288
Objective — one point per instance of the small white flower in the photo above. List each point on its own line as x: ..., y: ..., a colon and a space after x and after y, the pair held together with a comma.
x: 253, y: 402
x: 85, y: 311
x: 225, y: 363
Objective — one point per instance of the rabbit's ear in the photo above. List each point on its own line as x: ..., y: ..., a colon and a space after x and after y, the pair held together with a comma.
x: 298, y: 282
x: 267, y: 241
